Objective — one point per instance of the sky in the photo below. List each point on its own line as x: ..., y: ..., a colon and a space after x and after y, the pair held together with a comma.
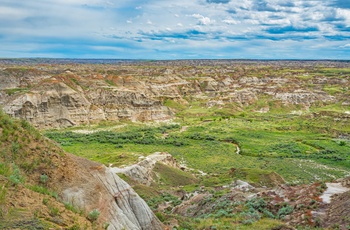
x: 182, y: 29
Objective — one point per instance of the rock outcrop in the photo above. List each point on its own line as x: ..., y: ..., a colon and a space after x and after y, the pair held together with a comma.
x: 95, y: 186
x: 142, y: 171
x: 68, y: 95
x: 56, y: 104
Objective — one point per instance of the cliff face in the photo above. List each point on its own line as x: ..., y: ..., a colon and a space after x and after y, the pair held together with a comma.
x: 55, y: 103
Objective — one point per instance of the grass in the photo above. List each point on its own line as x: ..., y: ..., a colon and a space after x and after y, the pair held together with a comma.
x: 229, y: 223
x: 43, y: 190
x: 172, y: 176
x: 313, y: 146
x: 271, y: 142
x: 16, y: 90
x: 146, y: 192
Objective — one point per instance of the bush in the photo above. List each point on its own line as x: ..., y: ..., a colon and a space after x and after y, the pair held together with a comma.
x: 284, y: 211
x: 43, y: 178
x: 160, y: 216
x: 70, y: 207
x: 93, y: 215
x: 16, y: 177
x: 54, y: 211
x: 258, y: 204
x: 250, y: 216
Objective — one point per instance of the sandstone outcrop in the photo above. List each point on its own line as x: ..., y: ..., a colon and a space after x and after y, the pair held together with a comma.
x: 69, y: 95
x: 95, y: 186
x: 56, y: 104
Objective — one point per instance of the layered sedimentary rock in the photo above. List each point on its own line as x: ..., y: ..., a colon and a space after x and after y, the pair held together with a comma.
x: 92, y: 186
x: 57, y: 104
x: 68, y: 95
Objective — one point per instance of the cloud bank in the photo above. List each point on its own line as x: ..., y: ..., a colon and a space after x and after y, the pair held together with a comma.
x: 266, y: 29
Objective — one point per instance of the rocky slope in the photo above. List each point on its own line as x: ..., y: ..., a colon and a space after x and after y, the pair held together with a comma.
x: 293, y: 205
x: 39, y: 168
x: 99, y: 188
x: 67, y: 95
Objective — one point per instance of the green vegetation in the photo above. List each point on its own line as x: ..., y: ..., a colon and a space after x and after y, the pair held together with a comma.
x: 72, y: 208
x: 93, y: 215
x: 43, y: 190
x: 173, y: 177
x: 16, y: 90
x: 263, y: 141
x: 171, y: 200
x: 275, y: 147
x: 295, y: 147
x: 16, y: 178
x: 26, y: 161
x: 43, y: 178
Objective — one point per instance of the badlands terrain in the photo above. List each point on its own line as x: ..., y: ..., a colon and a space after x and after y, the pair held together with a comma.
x: 190, y: 144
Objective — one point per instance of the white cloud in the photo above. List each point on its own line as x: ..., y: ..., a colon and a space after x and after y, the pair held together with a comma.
x: 346, y: 46
x: 230, y: 21
x: 344, y: 14
x: 77, y: 20
x: 201, y: 19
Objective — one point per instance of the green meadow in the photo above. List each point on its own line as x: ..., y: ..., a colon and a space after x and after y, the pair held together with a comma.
x: 300, y: 148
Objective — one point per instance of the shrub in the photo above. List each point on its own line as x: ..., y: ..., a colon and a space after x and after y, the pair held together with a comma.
x: 70, y: 207
x: 105, y: 225
x: 54, y: 211
x: 93, y: 215
x: 258, y: 204
x: 45, y: 201
x: 43, y: 178
x: 160, y: 216
x: 268, y: 214
x: 250, y: 216
x: 284, y: 211
x: 16, y: 177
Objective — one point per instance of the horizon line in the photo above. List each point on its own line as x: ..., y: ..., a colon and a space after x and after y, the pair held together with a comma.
x: 178, y: 59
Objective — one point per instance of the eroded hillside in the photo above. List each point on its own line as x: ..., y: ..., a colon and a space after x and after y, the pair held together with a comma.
x: 227, y: 144
x: 43, y: 187
x: 62, y: 95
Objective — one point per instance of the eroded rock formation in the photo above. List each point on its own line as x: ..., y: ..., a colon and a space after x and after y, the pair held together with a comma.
x: 68, y: 95
x: 95, y: 186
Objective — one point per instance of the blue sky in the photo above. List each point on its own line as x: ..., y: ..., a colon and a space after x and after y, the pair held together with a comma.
x: 182, y: 29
